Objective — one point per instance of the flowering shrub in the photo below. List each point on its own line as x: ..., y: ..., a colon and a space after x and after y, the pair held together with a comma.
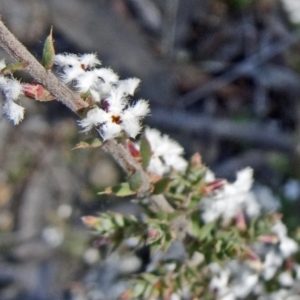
x: 229, y: 248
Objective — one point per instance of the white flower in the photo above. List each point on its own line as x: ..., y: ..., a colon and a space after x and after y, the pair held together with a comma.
x: 273, y: 261
x: 247, y: 281
x: 287, y: 246
x: 116, y: 116
x: 229, y: 200
x: 285, y: 279
x: 13, y: 111
x: 166, y: 153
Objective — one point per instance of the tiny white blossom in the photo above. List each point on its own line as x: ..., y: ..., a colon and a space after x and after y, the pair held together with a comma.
x: 287, y: 246
x: 13, y: 111
x: 285, y: 279
x: 273, y: 261
x: 166, y: 153
x: 89, y: 60
x: 229, y: 200
x: 115, y: 118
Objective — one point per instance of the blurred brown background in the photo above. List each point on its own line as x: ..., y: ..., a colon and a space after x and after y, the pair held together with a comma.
x: 222, y: 78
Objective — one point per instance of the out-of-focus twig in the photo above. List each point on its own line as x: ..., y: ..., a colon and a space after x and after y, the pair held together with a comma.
x: 258, y: 134
x: 245, y: 67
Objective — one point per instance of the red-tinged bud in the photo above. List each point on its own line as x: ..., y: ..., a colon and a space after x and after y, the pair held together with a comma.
x: 251, y: 254
x: 132, y: 149
x: 268, y: 239
x: 90, y: 221
x: 212, y: 186
x: 241, y: 221
x: 126, y: 295
x: 37, y: 92
x: 153, y: 234
x: 290, y: 263
x: 196, y: 161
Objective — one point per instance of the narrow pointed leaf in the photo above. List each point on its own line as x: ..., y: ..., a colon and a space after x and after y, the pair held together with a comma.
x: 10, y: 69
x: 135, y: 181
x: 120, y: 190
x: 145, y: 150
x: 48, y: 52
x: 161, y: 185
x: 89, y: 143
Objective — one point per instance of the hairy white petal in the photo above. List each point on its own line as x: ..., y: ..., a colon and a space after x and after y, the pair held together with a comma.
x: 116, y: 102
x: 140, y: 109
x: 67, y: 60
x: 71, y: 74
x: 131, y: 126
x: 93, y: 118
x: 85, y: 81
x: 110, y: 130
x: 13, y: 89
x: 89, y: 60
x: 95, y: 95
x: 128, y: 86
x: 13, y: 111
x: 107, y: 75
x: 3, y: 82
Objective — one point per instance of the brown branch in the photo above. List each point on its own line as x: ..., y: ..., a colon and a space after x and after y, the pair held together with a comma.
x: 71, y: 99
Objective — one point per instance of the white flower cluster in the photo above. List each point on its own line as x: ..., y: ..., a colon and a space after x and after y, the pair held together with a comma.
x: 166, y: 153
x: 267, y: 258
x: 113, y: 114
x: 231, y: 199
x: 237, y: 279
x: 11, y: 90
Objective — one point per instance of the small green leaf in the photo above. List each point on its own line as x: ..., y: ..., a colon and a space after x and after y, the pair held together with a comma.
x: 135, y: 181
x: 206, y: 231
x: 48, y: 52
x: 10, y: 69
x: 218, y: 246
x: 119, y: 219
x: 145, y: 150
x: 89, y: 143
x: 161, y: 185
x: 120, y: 190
